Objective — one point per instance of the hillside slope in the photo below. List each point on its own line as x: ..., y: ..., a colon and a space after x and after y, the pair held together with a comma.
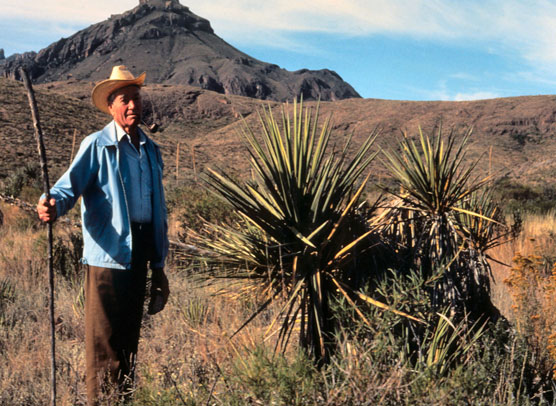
x: 516, y: 137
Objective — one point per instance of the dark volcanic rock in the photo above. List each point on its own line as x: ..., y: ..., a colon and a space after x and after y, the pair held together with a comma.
x: 174, y: 46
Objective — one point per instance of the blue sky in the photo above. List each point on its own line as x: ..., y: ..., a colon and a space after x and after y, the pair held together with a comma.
x: 387, y: 49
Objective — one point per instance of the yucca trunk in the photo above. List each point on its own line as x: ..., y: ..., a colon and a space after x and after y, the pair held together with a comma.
x: 316, y: 340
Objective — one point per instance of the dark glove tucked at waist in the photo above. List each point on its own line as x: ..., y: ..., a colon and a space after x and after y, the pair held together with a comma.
x: 159, y: 291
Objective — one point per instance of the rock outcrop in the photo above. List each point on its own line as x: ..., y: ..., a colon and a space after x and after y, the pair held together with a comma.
x: 174, y: 46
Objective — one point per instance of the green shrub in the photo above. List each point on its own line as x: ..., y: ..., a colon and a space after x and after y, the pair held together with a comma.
x: 66, y: 256
x: 262, y: 377
x: 517, y: 196
x: 13, y: 184
x: 194, y: 205
x: 396, y: 360
x: 28, y: 175
x: 391, y: 361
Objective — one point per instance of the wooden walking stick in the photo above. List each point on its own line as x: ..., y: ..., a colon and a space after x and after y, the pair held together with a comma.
x: 46, y: 187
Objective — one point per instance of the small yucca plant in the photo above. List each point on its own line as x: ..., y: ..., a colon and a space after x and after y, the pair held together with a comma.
x: 301, y: 223
x: 441, y: 221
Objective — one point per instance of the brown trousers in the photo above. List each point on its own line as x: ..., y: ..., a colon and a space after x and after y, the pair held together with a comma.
x: 113, y: 310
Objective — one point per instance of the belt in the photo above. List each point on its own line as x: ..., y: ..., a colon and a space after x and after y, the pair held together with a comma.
x: 141, y: 227
x: 142, y: 237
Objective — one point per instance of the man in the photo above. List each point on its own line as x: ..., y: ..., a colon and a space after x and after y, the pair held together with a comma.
x: 118, y: 173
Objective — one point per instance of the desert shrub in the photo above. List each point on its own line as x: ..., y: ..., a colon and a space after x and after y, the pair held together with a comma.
x: 66, y: 255
x: 263, y: 377
x: 13, y: 184
x: 524, y: 198
x: 28, y: 177
x: 194, y: 205
x: 396, y: 360
x: 389, y: 360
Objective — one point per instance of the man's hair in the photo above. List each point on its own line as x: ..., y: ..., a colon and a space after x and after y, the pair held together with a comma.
x: 112, y: 95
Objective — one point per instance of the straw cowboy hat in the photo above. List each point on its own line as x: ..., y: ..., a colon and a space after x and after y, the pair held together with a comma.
x: 120, y: 77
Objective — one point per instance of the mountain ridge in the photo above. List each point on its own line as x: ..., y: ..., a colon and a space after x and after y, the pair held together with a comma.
x: 175, y: 46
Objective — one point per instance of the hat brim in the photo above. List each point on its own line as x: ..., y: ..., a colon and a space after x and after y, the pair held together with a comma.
x: 105, y: 88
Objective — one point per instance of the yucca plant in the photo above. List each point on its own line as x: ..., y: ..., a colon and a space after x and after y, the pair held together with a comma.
x: 447, y: 344
x: 440, y: 221
x: 485, y: 230
x: 301, y: 226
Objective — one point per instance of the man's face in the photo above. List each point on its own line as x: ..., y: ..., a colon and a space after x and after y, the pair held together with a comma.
x: 126, y: 107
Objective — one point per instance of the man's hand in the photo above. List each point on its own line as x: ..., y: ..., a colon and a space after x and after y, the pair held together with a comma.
x: 47, y: 210
x: 159, y: 291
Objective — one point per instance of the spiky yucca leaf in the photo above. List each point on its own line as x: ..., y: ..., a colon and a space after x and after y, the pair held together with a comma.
x: 440, y: 221
x: 448, y: 343
x: 480, y: 220
x: 300, y: 205
x: 434, y: 177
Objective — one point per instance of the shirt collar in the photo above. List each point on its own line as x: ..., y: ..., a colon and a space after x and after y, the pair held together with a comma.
x: 120, y: 134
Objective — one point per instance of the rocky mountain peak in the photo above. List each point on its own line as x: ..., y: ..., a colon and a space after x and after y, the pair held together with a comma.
x: 164, y: 15
x: 162, y: 4
x: 175, y: 46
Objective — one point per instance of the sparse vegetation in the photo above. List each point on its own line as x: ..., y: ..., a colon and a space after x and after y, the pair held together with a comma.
x: 440, y: 223
x: 391, y: 343
x: 23, y: 182
x: 187, y: 358
x: 202, y: 206
x: 517, y: 196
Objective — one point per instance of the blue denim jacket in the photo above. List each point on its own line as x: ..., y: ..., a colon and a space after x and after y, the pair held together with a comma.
x: 96, y: 174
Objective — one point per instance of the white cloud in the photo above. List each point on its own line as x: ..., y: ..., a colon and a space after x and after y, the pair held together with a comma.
x: 64, y: 11
x: 474, y: 96
x: 444, y: 93
x: 524, y: 31
x: 526, y: 28
x: 464, y: 76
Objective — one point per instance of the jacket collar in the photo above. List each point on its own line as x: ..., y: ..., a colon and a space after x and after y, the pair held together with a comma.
x: 120, y: 134
x: 107, y: 135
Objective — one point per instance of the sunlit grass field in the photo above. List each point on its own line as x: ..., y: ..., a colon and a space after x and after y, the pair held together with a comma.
x: 187, y: 357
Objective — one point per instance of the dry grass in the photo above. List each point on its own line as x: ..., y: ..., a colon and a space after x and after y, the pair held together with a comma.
x: 25, y: 332
x: 525, y: 292
x: 185, y: 355
x: 188, y: 343
x: 538, y: 237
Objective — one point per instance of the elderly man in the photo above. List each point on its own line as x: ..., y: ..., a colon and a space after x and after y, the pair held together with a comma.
x: 118, y: 172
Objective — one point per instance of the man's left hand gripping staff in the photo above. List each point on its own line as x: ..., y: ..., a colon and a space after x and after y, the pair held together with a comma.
x: 47, y: 210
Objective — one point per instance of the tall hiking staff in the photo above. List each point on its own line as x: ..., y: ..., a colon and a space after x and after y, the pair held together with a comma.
x: 46, y: 187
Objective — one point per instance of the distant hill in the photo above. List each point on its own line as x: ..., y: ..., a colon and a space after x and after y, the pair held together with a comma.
x: 174, y: 46
x: 516, y: 137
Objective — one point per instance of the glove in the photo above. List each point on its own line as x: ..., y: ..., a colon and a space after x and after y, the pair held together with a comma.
x: 159, y: 291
